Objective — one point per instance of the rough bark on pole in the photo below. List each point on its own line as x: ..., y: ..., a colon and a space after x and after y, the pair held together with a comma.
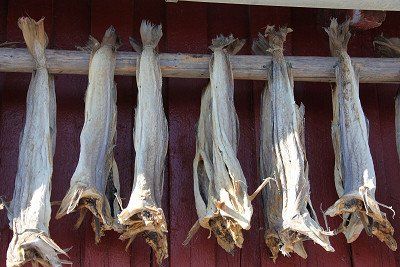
x: 30, y: 210
x: 95, y: 182
x: 144, y: 215
x: 391, y: 48
x: 289, y: 215
x: 244, y: 67
x: 222, y: 203
x: 355, y: 178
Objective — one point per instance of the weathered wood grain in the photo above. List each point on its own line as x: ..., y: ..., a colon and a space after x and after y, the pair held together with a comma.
x: 338, y: 4
x: 245, y: 67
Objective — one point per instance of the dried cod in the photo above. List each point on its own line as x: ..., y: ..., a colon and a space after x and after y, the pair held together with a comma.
x: 289, y: 215
x: 391, y: 48
x: 355, y: 178
x: 144, y: 215
x: 30, y: 210
x: 388, y: 47
x: 222, y: 203
x: 95, y: 182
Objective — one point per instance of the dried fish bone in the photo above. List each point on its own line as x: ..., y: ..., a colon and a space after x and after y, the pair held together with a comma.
x: 30, y: 210
x: 95, y: 182
x: 222, y: 203
x: 289, y: 215
x: 355, y: 178
x: 144, y: 215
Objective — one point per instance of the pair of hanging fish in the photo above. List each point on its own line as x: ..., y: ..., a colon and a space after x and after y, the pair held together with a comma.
x: 95, y: 183
x: 222, y: 203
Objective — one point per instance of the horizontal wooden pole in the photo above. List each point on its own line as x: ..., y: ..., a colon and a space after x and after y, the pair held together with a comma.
x: 245, y: 67
x: 388, y: 5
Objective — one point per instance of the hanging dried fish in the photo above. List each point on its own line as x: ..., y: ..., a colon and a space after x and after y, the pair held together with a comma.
x: 220, y: 188
x: 388, y: 47
x: 143, y: 213
x: 289, y: 215
x: 391, y: 48
x: 30, y: 210
x: 95, y: 182
x: 355, y: 178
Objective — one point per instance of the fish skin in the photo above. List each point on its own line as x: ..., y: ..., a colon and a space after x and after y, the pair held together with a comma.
x: 30, y: 209
x: 143, y: 214
x: 289, y: 216
x: 355, y: 177
x: 222, y: 203
x: 97, y: 171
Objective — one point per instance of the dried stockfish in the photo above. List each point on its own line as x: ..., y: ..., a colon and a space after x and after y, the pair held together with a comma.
x: 144, y: 215
x: 30, y: 210
x: 388, y: 47
x: 95, y: 183
x: 355, y: 178
x: 289, y: 215
x: 220, y: 188
x: 391, y: 48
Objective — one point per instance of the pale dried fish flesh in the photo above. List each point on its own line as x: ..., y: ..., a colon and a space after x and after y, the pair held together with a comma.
x: 355, y: 178
x: 30, y: 210
x: 95, y: 182
x: 144, y: 215
x: 222, y: 203
x: 289, y: 215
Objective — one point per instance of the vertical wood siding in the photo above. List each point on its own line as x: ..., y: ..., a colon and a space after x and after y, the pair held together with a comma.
x: 189, y: 27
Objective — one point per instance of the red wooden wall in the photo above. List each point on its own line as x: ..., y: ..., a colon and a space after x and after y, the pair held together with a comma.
x: 189, y: 27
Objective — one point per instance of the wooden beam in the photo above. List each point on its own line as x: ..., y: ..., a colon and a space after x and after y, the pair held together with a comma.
x: 245, y: 67
x: 386, y: 5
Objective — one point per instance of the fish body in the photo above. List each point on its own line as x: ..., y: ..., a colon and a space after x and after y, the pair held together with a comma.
x: 144, y: 214
x: 30, y: 210
x: 95, y: 183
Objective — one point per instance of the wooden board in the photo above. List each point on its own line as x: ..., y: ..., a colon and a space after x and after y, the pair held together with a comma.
x: 72, y: 28
x: 183, y: 99
x: 389, y: 5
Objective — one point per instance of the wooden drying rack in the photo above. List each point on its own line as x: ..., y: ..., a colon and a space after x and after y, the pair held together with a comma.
x: 245, y: 67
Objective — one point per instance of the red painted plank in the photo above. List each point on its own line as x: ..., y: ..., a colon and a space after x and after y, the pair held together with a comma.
x: 183, y: 114
x: 72, y: 27
x: 4, y: 229
x: 390, y: 27
x: 153, y: 11
x: 34, y: 9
